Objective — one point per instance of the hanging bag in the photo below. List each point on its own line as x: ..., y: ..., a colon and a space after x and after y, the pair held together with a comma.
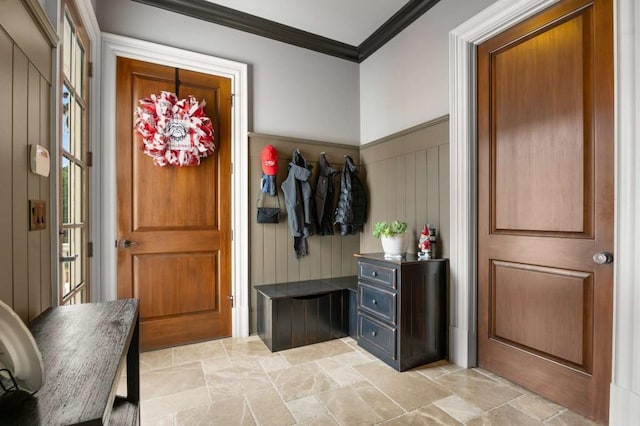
x: 268, y: 214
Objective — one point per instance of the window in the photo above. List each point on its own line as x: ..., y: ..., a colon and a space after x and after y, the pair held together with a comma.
x: 74, y: 160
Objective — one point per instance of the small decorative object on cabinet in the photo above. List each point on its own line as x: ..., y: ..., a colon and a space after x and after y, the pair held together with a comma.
x: 394, y: 238
x: 402, y: 309
x: 427, y: 243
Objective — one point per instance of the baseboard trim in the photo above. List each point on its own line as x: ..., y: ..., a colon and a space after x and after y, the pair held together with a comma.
x: 459, y: 351
x: 624, y: 407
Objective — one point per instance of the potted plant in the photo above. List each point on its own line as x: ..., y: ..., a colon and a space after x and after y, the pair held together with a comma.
x: 393, y: 236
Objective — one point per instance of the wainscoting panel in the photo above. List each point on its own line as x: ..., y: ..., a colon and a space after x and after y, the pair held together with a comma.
x: 408, y: 179
x: 272, y: 258
x: 25, y: 80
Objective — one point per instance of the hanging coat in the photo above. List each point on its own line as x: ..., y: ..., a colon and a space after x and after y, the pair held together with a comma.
x: 325, y: 197
x: 351, y: 212
x: 298, y: 198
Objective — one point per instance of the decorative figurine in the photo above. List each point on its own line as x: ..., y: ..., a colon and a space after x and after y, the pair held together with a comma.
x: 427, y: 242
x: 424, y: 244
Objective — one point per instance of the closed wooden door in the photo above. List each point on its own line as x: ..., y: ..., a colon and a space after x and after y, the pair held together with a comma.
x: 545, y: 204
x: 174, y: 223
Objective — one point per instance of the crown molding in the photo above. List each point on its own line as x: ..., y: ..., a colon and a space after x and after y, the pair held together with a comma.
x: 235, y: 19
x: 398, y: 22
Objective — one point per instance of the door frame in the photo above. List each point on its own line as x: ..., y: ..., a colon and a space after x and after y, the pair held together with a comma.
x: 114, y: 46
x: 463, y: 40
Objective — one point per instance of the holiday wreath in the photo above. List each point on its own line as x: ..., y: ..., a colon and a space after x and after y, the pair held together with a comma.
x: 174, y: 131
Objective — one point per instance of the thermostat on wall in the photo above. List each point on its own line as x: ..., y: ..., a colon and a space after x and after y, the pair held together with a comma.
x: 39, y: 160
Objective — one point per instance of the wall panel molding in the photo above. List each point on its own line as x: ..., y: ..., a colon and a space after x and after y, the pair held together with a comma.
x: 407, y: 176
x: 25, y: 76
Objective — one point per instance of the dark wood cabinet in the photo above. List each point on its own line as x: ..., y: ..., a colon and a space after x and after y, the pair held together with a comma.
x: 304, y: 312
x: 402, y: 309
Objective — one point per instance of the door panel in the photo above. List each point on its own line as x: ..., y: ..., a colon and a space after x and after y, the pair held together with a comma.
x: 177, y: 218
x: 526, y: 77
x: 544, y: 310
x: 159, y: 279
x: 545, y: 204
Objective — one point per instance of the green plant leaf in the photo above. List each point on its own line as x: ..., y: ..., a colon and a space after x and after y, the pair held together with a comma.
x: 383, y: 228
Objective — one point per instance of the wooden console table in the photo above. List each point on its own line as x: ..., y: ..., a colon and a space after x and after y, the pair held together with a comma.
x: 82, y: 348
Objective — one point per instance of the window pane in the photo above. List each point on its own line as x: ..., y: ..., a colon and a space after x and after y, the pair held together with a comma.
x: 66, y: 118
x: 76, y: 201
x: 76, y: 136
x: 77, y: 275
x: 66, y: 266
x: 66, y: 47
x: 78, y: 61
x: 66, y: 190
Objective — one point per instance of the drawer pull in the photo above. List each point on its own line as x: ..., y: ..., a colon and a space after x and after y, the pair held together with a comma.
x: 374, y: 301
x: 374, y: 274
x: 374, y: 333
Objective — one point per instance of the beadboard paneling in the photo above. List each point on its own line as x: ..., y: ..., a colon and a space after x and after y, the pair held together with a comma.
x: 25, y: 256
x: 408, y: 179
x: 271, y: 257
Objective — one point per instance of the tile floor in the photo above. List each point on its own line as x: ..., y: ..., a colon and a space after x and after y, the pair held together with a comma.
x: 240, y: 382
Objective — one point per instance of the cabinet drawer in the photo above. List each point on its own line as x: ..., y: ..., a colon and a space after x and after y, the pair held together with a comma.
x: 378, y: 302
x: 377, y: 273
x: 378, y: 335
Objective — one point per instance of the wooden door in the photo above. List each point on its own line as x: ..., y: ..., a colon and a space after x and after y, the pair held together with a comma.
x: 178, y: 219
x: 545, y: 204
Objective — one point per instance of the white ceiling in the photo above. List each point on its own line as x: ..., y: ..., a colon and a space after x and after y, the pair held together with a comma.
x: 348, y: 21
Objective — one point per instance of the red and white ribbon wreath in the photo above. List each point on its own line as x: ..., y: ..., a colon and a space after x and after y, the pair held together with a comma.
x: 174, y: 131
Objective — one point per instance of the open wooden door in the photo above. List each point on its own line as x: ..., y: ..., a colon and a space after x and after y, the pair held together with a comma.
x: 174, y: 223
x: 545, y: 204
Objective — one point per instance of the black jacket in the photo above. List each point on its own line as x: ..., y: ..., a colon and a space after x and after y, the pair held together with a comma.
x: 325, y: 197
x: 298, y: 197
x: 351, y: 212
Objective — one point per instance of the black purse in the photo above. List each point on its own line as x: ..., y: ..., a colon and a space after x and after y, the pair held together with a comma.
x: 268, y: 214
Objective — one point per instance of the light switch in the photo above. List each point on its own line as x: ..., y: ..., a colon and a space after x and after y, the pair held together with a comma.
x: 37, y: 215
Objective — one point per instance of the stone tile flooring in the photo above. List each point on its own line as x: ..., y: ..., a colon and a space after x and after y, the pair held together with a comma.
x: 240, y: 382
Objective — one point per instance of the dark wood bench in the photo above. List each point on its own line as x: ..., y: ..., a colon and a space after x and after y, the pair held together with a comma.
x: 82, y: 348
x: 301, y: 313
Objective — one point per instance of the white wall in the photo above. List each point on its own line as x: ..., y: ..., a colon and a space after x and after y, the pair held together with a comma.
x: 294, y: 92
x: 406, y: 82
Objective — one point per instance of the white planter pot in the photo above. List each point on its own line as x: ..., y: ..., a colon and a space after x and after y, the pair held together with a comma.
x: 395, y: 246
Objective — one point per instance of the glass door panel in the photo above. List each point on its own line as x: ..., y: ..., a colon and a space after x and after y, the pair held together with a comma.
x: 74, y: 194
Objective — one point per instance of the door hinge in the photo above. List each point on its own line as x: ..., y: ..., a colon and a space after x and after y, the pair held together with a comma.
x: 89, y: 159
x: 90, y: 70
x: 90, y: 249
x: 233, y: 301
x: 232, y: 97
x: 232, y: 235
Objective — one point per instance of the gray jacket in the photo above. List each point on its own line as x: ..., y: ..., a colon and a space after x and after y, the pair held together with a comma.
x: 298, y: 198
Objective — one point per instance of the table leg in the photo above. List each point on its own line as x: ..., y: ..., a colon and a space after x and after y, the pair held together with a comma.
x: 133, y: 365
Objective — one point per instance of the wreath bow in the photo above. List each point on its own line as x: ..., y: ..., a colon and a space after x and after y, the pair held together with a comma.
x: 174, y: 131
